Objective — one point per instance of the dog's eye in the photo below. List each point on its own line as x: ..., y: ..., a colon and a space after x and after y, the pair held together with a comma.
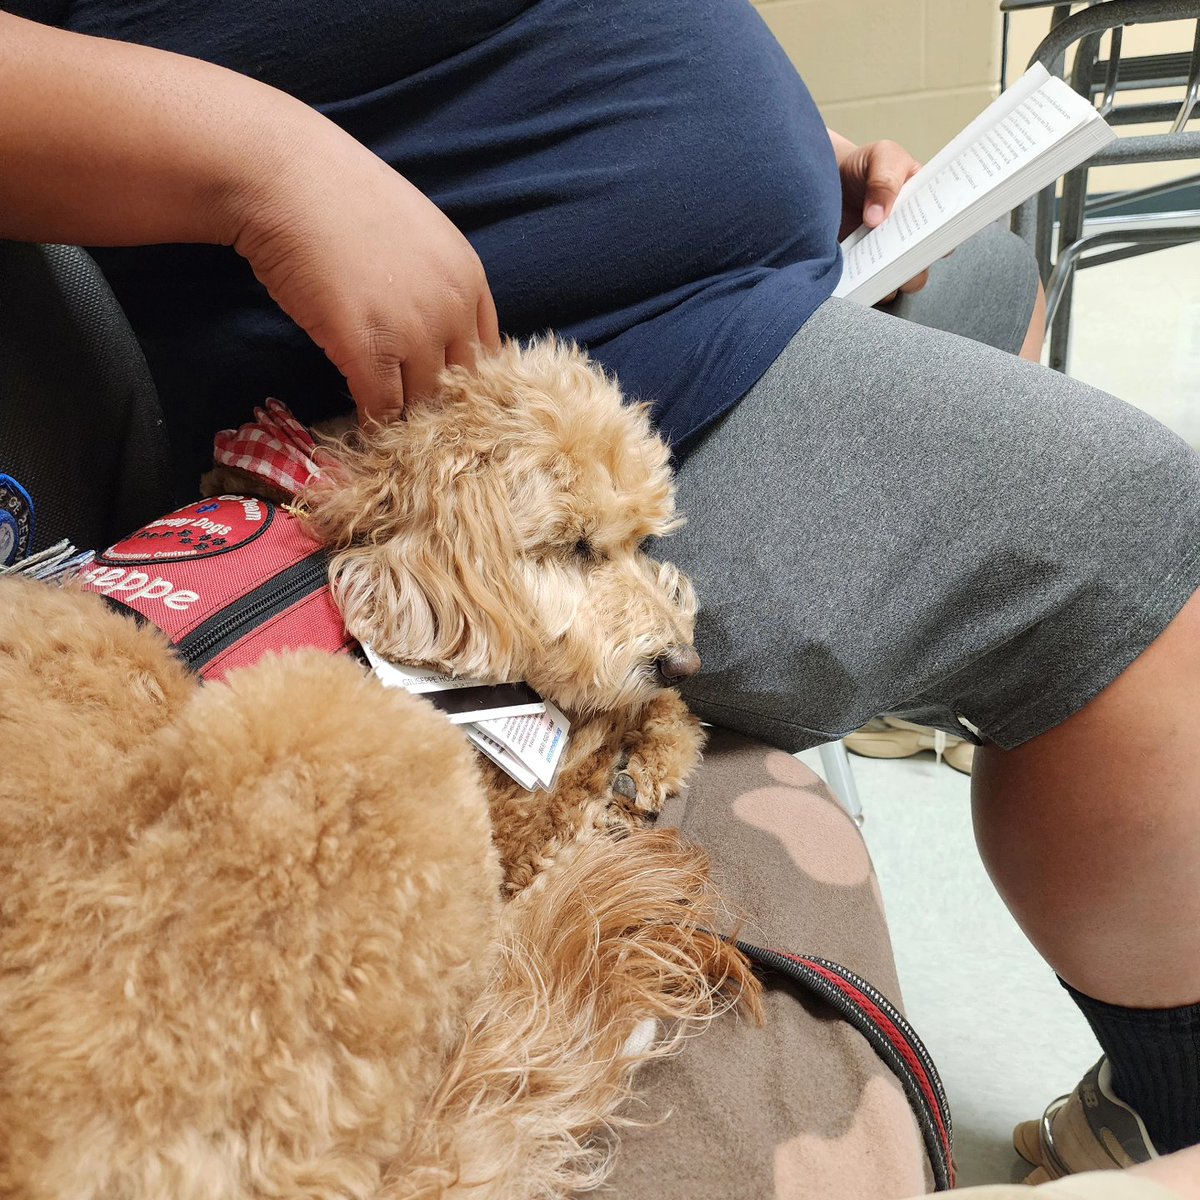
x: 585, y: 550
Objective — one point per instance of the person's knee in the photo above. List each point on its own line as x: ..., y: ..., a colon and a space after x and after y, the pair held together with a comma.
x: 1089, y: 830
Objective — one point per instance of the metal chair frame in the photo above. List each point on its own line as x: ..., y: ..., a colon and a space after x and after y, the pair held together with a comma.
x: 1094, y: 77
x: 835, y: 763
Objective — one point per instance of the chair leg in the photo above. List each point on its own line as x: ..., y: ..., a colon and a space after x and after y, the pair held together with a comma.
x: 1071, y: 210
x: 835, y: 762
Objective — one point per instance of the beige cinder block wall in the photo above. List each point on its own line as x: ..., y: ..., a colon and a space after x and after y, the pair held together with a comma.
x: 913, y: 70
x: 919, y: 70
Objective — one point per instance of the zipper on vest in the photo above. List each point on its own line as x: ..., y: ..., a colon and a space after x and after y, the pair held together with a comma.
x: 281, y: 591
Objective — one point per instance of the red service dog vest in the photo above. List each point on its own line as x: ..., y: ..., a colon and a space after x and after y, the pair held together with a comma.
x: 227, y: 580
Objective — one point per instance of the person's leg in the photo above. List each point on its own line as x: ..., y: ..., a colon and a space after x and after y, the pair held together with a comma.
x: 988, y: 290
x: 1056, y: 883
x: 1090, y: 832
x: 1101, y: 816
x: 940, y: 529
x: 1035, y: 334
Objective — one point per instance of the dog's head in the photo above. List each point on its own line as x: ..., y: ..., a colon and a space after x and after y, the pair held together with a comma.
x: 496, y: 532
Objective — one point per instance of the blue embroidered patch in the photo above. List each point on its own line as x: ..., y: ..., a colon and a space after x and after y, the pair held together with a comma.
x: 16, y: 521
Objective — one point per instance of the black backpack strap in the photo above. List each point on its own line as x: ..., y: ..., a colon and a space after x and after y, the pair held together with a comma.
x: 890, y: 1035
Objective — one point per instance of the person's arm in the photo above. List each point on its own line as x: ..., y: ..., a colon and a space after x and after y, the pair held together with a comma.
x: 1095, y: 1185
x: 105, y: 143
x: 1179, y: 1171
x: 1172, y: 1177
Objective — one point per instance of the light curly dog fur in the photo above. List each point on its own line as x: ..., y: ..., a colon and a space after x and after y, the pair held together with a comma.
x: 287, y: 936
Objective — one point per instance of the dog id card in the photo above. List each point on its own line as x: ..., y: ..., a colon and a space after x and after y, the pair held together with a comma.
x: 501, y: 757
x: 536, y: 741
x: 509, y: 723
x: 462, y: 700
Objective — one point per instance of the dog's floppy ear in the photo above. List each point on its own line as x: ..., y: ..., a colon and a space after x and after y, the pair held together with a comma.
x: 421, y: 544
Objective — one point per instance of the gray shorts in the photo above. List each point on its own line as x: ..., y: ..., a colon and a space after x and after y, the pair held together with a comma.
x: 899, y: 519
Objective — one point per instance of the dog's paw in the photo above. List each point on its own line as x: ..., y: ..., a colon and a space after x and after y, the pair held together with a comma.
x: 632, y: 791
x: 657, y: 757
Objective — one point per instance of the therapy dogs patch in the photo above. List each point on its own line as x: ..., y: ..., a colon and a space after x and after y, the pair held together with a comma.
x: 16, y: 521
x: 198, y: 530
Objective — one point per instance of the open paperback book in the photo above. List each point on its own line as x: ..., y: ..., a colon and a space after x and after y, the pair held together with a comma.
x: 1035, y: 132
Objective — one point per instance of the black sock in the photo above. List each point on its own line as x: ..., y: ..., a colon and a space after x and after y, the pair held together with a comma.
x: 1154, y: 1054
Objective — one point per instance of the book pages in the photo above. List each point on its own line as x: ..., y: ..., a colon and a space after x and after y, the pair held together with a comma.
x: 1033, y: 134
x: 506, y: 761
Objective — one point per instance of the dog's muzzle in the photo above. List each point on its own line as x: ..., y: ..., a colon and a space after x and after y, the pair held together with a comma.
x: 676, y: 665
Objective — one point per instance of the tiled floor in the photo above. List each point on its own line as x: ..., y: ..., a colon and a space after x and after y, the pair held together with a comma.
x: 1006, y: 1037
x: 1137, y: 334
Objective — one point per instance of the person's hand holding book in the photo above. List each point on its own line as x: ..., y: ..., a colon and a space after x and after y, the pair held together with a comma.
x: 1028, y: 137
x: 872, y: 176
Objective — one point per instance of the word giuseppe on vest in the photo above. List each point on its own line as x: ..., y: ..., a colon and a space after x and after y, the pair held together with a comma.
x: 137, y: 585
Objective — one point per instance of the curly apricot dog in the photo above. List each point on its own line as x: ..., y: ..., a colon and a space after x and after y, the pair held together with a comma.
x: 286, y: 935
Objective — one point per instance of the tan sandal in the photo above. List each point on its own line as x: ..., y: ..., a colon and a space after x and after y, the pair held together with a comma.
x: 892, y: 737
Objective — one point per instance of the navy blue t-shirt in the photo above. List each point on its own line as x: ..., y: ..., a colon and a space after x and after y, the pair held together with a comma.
x: 648, y: 177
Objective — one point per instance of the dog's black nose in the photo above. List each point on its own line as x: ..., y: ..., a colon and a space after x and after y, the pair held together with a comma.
x: 677, y: 664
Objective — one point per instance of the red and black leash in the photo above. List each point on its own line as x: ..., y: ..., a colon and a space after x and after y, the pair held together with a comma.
x: 891, y: 1037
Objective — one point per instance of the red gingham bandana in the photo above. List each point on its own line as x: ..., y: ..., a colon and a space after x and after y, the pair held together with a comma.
x: 274, y: 445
